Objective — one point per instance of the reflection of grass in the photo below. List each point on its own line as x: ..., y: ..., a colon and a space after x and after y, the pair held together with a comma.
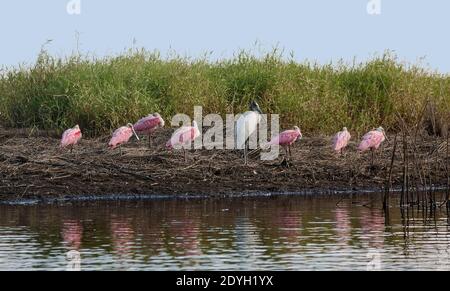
x: 100, y: 94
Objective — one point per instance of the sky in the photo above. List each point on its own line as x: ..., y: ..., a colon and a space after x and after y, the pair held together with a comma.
x: 317, y: 30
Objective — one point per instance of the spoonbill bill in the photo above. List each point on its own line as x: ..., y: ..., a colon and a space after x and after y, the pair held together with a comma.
x: 286, y: 139
x: 183, y: 137
x: 122, y: 135
x: 372, y: 140
x: 341, y: 139
x: 71, y: 137
x: 148, y: 124
x: 246, y: 125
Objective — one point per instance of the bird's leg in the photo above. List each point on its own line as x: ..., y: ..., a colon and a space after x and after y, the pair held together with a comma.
x: 120, y: 150
x: 284, y: 162
x: 371, y: 149
x: 245, y: 153
x: 290, y: 154
x: 184, y: 152
x: 71, y: 148
x: 149, y: 140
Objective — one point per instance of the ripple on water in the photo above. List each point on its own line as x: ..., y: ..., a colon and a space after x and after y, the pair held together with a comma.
x: 289, y: 233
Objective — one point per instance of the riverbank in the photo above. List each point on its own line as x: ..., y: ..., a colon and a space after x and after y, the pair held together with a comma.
x: 33, y: 167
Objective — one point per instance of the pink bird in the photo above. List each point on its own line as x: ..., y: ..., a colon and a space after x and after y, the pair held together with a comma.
x: 286, y: 139
x: 71, y: 137
x: 121, y: 136
x: 341, y: 139
x: 148, y: 125
x: 372, y: 140
x: 183, y: 137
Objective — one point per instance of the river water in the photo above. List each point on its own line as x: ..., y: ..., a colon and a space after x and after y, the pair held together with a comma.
x: 265, y: 233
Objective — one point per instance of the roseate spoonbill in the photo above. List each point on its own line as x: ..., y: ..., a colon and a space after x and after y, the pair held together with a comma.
x: 341, y: 139
x: 71, y: 137
x: 148, y: 125
x: 372, y: 140
x: 247, y: 125
x: 286, y: 139
x: 183, y: 137
x: 121, y: 136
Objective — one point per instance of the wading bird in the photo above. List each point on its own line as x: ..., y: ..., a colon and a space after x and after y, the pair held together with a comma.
x: 247, y: 125
x: 147, y: 125
x: 372, y: 140
x: 340, y: 140
x: 71, y: 137
x: 183, y: 137
x: 286, y: 139
x: 121, y: 136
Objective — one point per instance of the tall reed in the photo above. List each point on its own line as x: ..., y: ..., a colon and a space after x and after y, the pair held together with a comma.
x: 102, y: 93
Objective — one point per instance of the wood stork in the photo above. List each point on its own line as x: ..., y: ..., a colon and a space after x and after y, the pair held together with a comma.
x: 246, y: 125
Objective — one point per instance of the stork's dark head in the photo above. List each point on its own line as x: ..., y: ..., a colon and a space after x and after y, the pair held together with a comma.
x: 254, y: 106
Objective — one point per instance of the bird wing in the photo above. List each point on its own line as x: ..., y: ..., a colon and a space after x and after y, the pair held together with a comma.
x: 246, y: 125
x: 146, y: 123
x: 377, y: 139
x: 178, y: 135
x: 341, y: 140
x: 335, y: 139
x: 288, y: 137
x: 275, y: 140
x: 120, y: 136
x: 367, y: 141
x: 64, y: 139
x: 70, y: 136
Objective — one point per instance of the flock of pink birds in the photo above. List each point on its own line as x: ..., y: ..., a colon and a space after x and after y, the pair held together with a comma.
x: 187, y: 134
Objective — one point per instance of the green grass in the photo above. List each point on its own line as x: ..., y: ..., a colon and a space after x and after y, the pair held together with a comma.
x: 101, y: 94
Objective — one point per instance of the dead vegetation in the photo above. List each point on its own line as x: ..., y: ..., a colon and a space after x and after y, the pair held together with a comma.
x: 32, y: 166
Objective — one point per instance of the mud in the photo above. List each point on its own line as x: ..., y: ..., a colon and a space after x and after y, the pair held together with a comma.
x: 33, y: 167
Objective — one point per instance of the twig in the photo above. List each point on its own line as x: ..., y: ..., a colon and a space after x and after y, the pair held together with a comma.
x: 389, y: 179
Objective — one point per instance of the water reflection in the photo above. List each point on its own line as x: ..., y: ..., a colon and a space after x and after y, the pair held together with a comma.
x: 294, y: 233
x: 123, y: 238
x: 343, y: 224
x: 72, y: 233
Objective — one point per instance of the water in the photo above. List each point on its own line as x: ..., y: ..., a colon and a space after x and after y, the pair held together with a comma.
x: 267, y: 233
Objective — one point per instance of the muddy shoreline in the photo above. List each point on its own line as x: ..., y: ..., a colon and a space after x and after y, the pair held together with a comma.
x: 32, y: 167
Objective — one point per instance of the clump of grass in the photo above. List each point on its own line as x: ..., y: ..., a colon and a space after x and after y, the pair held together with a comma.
x: 100, y: 94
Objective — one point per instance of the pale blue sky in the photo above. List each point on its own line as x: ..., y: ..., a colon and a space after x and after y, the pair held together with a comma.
x: 321, y: 30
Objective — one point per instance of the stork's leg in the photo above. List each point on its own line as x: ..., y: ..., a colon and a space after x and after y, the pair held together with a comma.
x: 245, y: 153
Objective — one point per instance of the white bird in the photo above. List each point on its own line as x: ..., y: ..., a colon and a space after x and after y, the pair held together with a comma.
x: 246, y: 125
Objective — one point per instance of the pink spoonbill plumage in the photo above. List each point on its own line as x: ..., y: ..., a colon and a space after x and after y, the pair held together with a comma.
x: 122, y: 135
x: 372, y: 140
x: 148, y: 125
x: 183, y: 137
x: 286, y: 139
x: 71, y: 137
x: 341, y: 139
